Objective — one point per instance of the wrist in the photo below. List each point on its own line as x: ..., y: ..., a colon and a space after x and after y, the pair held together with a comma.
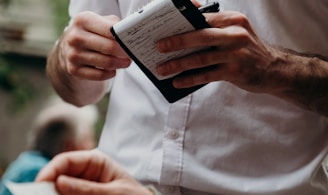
x: 278, y: 74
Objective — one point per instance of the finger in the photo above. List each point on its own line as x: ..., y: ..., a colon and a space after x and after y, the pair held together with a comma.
x: 47, y: 173
x: 222, y: 72
x: 227, y: 18
x: 57, y: 166
x: 99, y: 169
x: 91, y: 41
x: 68, y: 185
x: 95, y: 23
x: 229, y: 37
x: 228, y: 27
x: 74, y: 164
x: 76, y: 57
x: 205, y: 77
x: 197, y: 60
x: 196, y: 3
x: 92, y: 73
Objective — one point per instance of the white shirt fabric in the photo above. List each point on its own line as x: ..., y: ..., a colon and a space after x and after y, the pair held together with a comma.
x: 221, y: 139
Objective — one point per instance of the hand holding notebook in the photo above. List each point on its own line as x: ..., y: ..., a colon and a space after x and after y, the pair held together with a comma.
x: 139, y: 33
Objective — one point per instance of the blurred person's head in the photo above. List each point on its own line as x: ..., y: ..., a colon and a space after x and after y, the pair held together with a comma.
x: 62, y: 127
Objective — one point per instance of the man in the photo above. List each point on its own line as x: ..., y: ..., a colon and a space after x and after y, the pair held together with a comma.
x: 258, y: 127
x: 59, y: 127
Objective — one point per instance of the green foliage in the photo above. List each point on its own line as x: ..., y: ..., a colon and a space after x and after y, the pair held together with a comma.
x: 12, y: 82
x: 12, y: 78
x: 60, y: 9
x: 102, y: 109
x: 5, y: 3
x: 7, y: 78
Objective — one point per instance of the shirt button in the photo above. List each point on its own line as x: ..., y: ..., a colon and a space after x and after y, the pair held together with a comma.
x: 173, y: 135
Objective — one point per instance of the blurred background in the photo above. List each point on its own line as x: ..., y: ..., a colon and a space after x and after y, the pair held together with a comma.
x: 28, y: 29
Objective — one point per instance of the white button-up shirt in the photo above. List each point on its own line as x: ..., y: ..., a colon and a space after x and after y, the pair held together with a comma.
x: 221, y: 139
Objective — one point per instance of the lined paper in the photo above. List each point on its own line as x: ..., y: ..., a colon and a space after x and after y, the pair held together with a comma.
x: 141, y: 31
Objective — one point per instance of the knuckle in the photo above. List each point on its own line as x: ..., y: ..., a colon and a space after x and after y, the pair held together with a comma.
x: 72, y: 69
x: 59, y: 158
x: 242, y: 20
x: 75, y: 39
x: 82, y: 17
x: 244, y: 55
x: 72, y: 56
x: 243, y: 35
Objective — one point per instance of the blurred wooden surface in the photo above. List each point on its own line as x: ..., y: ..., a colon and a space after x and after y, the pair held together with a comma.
x: 27, y: 27
x: 26, y: 47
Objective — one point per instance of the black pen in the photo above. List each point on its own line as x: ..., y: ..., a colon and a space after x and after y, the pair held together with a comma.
x: 210, y: 8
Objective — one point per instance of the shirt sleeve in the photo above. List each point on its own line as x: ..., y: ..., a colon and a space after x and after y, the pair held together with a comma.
x: 102, y: 7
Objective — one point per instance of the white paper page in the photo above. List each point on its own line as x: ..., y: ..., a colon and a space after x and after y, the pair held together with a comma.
x: 141, y: 31
x: 42, y: 188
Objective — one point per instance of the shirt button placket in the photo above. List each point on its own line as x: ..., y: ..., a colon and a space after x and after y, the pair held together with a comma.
x: 174, y: 135
x: 173, y: 146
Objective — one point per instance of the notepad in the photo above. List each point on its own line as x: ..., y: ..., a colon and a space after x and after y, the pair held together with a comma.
x: 41, y: 188
x: 139, y: 33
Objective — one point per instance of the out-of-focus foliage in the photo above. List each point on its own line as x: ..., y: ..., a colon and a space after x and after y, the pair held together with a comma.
x: 4, y: 3
x: 12, y: 79
x: 61, y: 14
x: 12, y: 82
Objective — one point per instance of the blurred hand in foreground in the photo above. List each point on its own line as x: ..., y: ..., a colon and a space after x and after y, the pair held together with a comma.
x: 89, y: 172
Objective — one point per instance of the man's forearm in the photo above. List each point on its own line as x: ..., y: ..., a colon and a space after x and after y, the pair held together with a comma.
x: 301, y: 79
x: 69, y: 88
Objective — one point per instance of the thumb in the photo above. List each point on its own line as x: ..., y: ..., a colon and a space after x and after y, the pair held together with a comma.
x: 69, y: 185
x: 196, y: 3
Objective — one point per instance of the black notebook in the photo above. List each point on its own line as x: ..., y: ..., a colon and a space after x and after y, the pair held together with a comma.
x: 138, y: 34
